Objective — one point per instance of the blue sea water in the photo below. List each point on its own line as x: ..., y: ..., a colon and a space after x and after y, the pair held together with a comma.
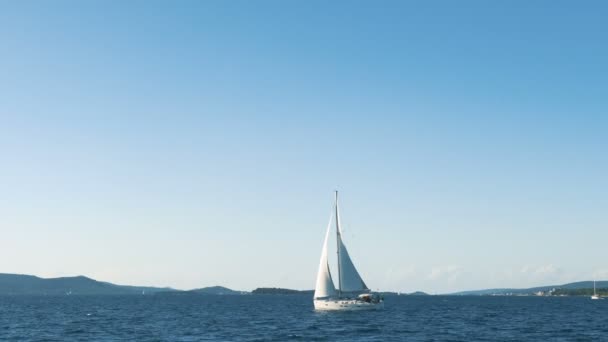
x: 291, y: 318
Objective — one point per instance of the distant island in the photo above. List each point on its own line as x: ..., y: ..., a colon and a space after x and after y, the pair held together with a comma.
x: 280, y: 291
x: 581, y: 288
x: 217, y: 291
x: 21, y: 284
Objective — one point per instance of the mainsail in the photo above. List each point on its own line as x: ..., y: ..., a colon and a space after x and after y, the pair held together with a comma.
x: 349, y: 278
x: 325, y: 285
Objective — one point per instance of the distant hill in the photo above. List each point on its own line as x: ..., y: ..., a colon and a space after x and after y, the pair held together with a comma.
x: 390, y: 293
x: 580, y: 285
x: 280, y: 291
x: 216, y: 290
x: 20, y: 284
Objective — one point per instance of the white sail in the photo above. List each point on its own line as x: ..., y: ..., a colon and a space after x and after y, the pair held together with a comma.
x: 350, y: 280
x: 325, y: 285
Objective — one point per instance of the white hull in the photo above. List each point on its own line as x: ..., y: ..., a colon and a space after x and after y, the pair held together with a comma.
x: 346, y: 305
x: 595, y: 297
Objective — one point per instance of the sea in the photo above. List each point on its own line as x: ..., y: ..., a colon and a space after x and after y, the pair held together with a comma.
x: 292, y: 318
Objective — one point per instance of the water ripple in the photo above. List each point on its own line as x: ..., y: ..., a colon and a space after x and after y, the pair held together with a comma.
x: 291, y: 318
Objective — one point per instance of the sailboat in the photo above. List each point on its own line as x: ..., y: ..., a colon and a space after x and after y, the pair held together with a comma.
x: 352, y: 292
x: 595, y: 296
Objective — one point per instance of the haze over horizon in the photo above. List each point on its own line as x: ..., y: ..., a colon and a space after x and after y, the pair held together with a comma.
x: 194, y: 144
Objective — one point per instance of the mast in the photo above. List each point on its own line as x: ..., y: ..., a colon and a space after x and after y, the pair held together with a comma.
x: 338, y: 249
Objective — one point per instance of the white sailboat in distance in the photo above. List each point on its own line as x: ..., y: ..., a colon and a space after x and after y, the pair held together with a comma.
x: 352, y: 293
x: 595, y: 296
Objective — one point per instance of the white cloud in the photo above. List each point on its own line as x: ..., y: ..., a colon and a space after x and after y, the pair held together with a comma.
x: 540, y: 270
x: 600, y: 274
x: 398, y: 276
x: 546, y: 270
x: 540, y: 274
x: 449, y: 273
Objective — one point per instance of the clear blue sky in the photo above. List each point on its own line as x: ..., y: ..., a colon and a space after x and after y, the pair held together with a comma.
x: 198, y: 143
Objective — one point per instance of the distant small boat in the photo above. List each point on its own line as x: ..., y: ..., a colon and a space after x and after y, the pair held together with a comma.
x: 595, y: 296
x: 352, y: 293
